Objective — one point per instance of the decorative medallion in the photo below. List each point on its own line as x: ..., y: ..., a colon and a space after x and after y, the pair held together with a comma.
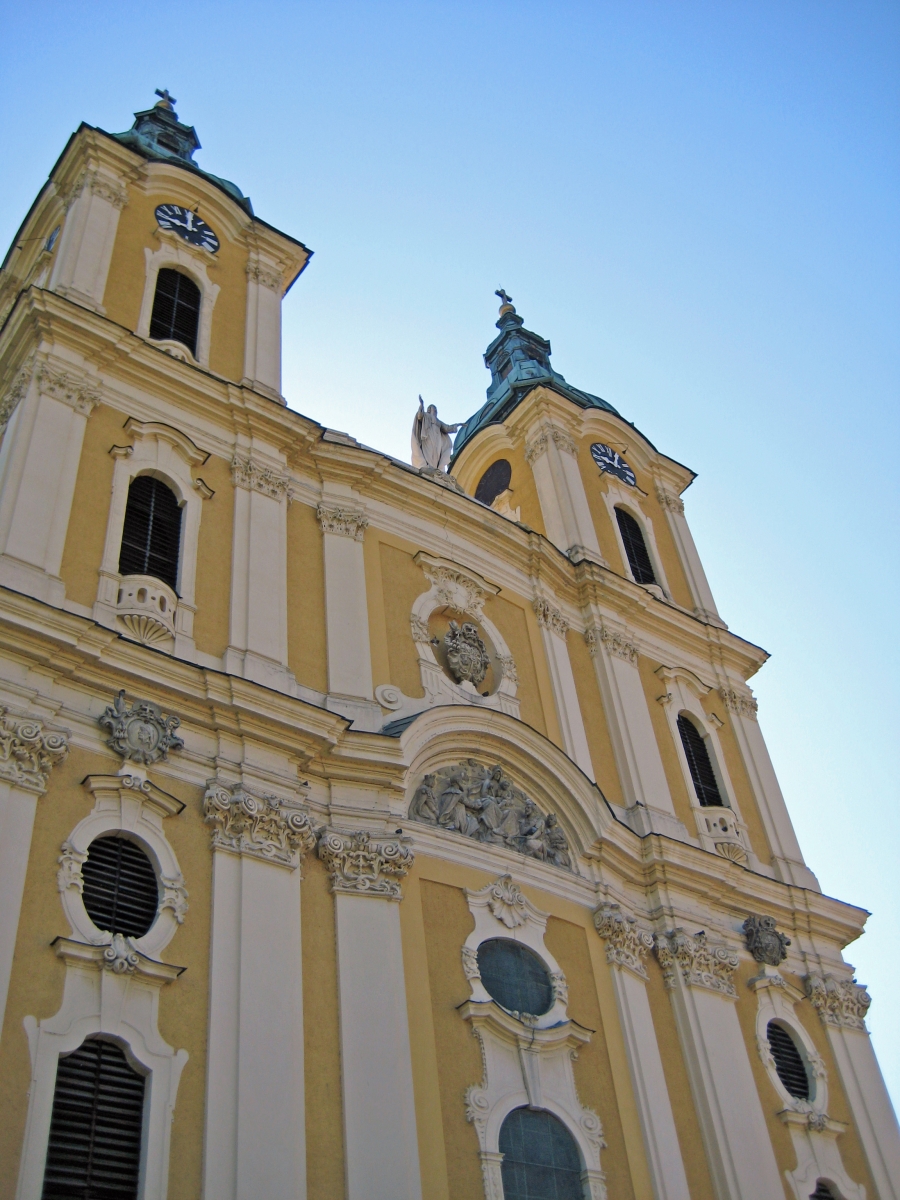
x: 764, y: 941
x: 484, y: 804
x: 141, y: 733
x: 467, y: 654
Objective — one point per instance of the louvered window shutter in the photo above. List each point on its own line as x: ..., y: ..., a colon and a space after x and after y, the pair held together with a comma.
x: 635, y: 547
x: 176, y: 309
x: 699, y: 764
x: 788, y: 1063
x: 121, y: 893
x: 151, y: 535
x: 94, y: 1151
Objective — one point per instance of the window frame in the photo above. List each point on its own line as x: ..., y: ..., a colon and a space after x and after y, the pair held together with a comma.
x: 616, y: 495
x: 180, y: 505
x: 179, y: 256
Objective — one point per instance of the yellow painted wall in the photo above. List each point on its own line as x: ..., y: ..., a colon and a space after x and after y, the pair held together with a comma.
x: 213, y: 586
x: 227, y: 268
x: 567, y: 943
x: 321, y: 1031
x: 511, y: 618
x: 402, y: 583
x: 687, y: 1124
x: 83, y: 551
x: 36, y: 984
x: 595, y: 726
x: 307, y: 647
x: 448, y: 923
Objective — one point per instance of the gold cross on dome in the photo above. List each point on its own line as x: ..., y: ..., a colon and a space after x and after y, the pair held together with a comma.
x: 165, y: 100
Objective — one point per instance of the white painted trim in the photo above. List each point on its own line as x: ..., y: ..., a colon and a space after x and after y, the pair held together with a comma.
x: 179, y: 256
x: 553, y: 456
x: 568, y: 709
x: 17, y: 810
x: 133, y: 807
x: 125, y: 1007
x: 616, y: 495
x: 83, y: 256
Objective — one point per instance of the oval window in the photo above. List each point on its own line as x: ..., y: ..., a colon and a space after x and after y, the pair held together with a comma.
x: 515, y: 977
x: 494, y: 481
x: 121, y: 893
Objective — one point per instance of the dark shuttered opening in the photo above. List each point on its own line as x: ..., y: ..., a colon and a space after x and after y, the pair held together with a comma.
x: 540, y: 1158
x: 176, y: 309
x: 120, y: 889
x: 635, y: 547
x: 151, y: 536
x: 94, y: 1151
x: 699, y: 764
x: 788, y: 1063
x: 494, y: 481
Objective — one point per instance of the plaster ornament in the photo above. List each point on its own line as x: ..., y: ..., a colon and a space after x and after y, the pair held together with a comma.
x: 28, y: 752
x: 699, y: 963
x: 467, y: 655
x: 839, y: 1002
x: 345, y: 522
x: 141, y: 733
x: 363, y: 865
x: 506, y: 902
x: 261, y: 826
x: 764, y: 941
x: 121, y: 955
x: 549, y: 617
x: 483, y: 803
x: 431, y: 445
x: 741, y: 703
x: 626, y: 943
x: 259, y: 477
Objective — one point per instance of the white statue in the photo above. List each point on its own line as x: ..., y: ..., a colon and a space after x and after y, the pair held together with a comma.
x: 431, y: 445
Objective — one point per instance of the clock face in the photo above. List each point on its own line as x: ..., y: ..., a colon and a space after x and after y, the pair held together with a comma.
x: 608, y: 460
x: 187, y: 225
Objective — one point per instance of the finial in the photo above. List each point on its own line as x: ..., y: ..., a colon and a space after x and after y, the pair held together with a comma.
x: 506, y: 300
x: 165, y: 100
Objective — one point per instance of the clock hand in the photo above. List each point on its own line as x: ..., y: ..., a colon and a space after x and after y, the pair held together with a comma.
x: 189, y: 221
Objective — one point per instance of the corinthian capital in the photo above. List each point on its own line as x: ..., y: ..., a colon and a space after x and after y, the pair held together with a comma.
x: 669, y: 500
x: 626, y: 943
x: 839, y: 1002
x: 741, y: 703
x: 346, y: 522
x: 261, y: 826
x: 28, y: 751
x: 613, y: 641
x: 549, y: 617
x: 699, y: 963
x: 363, y: 865
x: 256, y: 477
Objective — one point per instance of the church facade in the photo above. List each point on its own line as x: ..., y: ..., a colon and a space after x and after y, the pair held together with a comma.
x: 374, y: 831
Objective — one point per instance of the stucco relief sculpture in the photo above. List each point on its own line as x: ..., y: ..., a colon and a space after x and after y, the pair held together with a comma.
x: 28, y: 751
x: 839, y: 1002
x: 764, y: 941
x: 363, y: 865
x: 141, y: 734
x: 467, y: 655
x: 483, y: 803
x: 626, y: 943
x: 430, y: 443
x: 699, y: 962
x: 262, y: 826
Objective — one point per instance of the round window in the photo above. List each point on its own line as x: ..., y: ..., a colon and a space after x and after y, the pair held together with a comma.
x: 515, y: 977
x: 121, y: 893
x: 494, y: 481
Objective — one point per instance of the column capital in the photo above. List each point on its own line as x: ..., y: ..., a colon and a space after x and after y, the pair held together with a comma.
x: 549, y: 617
x: 699, y: 962
x: 841, y: 1003
x: 615, y: 642
x: 258, y: 825
x: 29, y: 751
x: 541, y: 442
x: 254, y: 476
x: 627, y: 944
x: 361, y: 865
x: 668, y: 500
x: 346, y: 522
x: 742, y: 703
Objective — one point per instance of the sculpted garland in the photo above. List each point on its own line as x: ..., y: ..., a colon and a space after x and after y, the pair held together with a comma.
x: 483, y: 803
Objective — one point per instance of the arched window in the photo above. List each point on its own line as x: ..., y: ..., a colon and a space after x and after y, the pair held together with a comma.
x: 515, y: 976
x: 176, y: 309
x: 699, y: 764
x: 494, y: 481
x: 540, y: 1158
x: 121, y: 893
x: 788, y: 1061
x: 95, y: 1130
x: 635, y: 547
x: 151, y: 536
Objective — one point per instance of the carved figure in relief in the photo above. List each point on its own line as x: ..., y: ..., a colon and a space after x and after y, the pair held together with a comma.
x: 482, y: 803
x: 467, y: 654
x: 431, y: 445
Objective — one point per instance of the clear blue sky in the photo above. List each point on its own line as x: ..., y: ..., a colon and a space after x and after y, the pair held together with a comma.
x: 698, y: 205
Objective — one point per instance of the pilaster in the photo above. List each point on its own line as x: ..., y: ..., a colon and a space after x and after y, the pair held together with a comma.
x: 553, y: 456
x: 704, y: 604
x: 93, y: 205
x: 380, y: 1139
x: 262, y: 344
x: 554, y: 628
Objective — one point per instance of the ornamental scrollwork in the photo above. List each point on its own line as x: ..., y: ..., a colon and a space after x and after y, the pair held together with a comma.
x: 627, y: 944
x: 345, y: 522
x: 261, y: 826
x: 68, y: 389
x: 507, y: 666
x: 28, y: 751
x: 467, y: 655
x: 699, y: 963
x: 121, y: 955
x: 141, y: 733
x: 455, y: 589
x: 257, y: 477
x: 70, y: 863
x: 419, y: 630
x: 16, y: 391
x: 741, y: 703
x: 174, y: 896
x: 363, y: 865
x: 482, y: 803
x: 839, y: 1002
x: 615, y: 643
x: 549, y: 617
x: 267, y: 277
x: 668, y: 500
x: 764, y: 941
